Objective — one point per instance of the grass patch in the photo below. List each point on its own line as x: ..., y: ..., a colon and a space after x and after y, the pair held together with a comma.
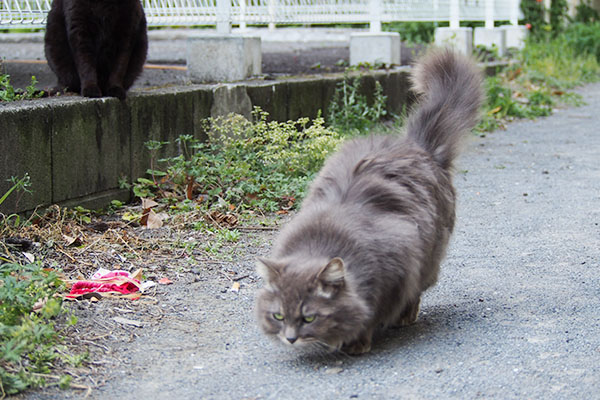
x: 261, y: 165
x: 30, y: 311
x: 351, y: 111
x: 557, y: 64
x: 9, y: 93
x: 29, y: 341
x: 539, y: 80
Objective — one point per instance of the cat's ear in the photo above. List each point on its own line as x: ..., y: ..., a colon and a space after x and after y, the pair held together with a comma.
x: 267, y: 269
x: 333, y: 273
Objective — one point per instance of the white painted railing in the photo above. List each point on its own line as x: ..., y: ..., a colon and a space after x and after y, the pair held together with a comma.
x: 223, y: 13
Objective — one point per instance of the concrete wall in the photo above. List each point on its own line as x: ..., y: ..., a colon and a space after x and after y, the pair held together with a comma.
x: 76, y: 150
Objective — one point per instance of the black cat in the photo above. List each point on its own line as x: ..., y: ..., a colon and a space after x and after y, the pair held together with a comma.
x: 96, y: 47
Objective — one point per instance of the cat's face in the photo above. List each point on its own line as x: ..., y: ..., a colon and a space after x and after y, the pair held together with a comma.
x: 308, y: 303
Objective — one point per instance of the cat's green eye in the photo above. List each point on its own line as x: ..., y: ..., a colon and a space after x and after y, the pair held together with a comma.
x: 278, y: 317
x: 309, y: 319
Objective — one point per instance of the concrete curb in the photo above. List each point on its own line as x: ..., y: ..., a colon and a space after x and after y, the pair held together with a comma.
x: 77, y: 150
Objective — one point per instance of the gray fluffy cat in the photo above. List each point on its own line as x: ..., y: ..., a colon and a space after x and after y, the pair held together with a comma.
x: 374, y: 227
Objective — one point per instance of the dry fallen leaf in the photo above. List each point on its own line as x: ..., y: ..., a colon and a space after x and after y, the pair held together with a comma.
x: 40, y: 304
x: 153, y: 220
x: 72, y: 241
x: 148, y: 204
x: 137, y: 274
x: 220, y: 219
x: 494, y: 110
x: 30, y: 257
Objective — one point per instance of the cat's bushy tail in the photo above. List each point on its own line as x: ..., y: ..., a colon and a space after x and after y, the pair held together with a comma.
x: 450, y: 85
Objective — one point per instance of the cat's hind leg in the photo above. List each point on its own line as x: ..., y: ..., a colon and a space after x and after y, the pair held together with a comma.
x: 128, y: 64
x: 410, y: 314
x: 138, y: 57
x: 58, y: 52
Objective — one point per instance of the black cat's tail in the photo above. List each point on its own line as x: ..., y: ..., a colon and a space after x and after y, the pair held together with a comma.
x: 450, y: 85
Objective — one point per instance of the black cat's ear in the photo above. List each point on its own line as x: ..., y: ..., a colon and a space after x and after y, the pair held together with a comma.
x: 267, y: 269
x: 333, y: 273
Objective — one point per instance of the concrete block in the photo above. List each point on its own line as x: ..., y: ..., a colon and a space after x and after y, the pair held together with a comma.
x: 330, y: 86
x: 515, y: 35
x: 90, y: 147
x: 164, y: 116
x: 396, y: 88
x: 25, y: 147
x: 375, y: 48
x: 491, y: 38
x: 459, y: 38
x: 100, y: 200
x: 231, y: 98
x: 306, y: 98
x: 223, y: 58
x: 270, y: 97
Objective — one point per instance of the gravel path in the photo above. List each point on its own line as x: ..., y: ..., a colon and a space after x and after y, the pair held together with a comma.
x: 515, y: 313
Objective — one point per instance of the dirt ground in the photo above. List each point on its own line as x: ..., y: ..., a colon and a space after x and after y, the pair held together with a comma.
x: 193, y: 259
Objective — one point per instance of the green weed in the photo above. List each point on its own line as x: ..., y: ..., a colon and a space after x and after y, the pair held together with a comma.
x: 557, y: 64
x: 540, y: 79
x: 258, y: 164
x: 584, y: 38
x: 228, y: 235
x: 28, y: 338
x: 21, y: 185
x: 9, y: 93
x: 350, y: 110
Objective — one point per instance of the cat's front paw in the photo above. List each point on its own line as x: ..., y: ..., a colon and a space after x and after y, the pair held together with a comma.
x: 91, y: 91
x: 359, y: 346
x: 117, y: 91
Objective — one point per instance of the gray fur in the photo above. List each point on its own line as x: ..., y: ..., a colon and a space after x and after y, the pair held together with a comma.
x: 374, y: 227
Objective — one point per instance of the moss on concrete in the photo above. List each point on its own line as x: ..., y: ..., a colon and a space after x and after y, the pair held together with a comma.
x: 25, y: 147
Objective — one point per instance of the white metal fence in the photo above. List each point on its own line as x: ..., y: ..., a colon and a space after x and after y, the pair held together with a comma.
x: 32, y: 13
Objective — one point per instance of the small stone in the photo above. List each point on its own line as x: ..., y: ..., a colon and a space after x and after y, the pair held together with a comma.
x: 333, y: 371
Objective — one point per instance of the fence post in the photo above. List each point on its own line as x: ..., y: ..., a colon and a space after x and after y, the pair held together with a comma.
x: 514, y: 12
x: 454, y: 14
x: 515, y: 34
x: 454, y: 35
x: 224, y: 16
x: 489, y: 14
x: 272, y: 5
x: 489, y: 36
x: 375, y: 16
x: 243, y: 25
